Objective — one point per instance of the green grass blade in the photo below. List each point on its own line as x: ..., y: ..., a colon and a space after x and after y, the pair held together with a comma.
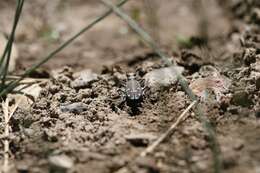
x: 11, y: 39
x: 15, y: 83
x: 183, y: 82
x: 16, y: 18
x: 5, y: 59
x: 7, y: 48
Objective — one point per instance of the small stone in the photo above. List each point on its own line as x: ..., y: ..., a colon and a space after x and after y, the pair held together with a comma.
x: 233, y: 109
x: 29, y: 132
x: 83, y: 79
x: 60, y: 162
x: 140, y: 139
x: 34, y: 90
x: 241, y: 98
x: 74, y: 107
x: 163, y: 77
x: 31, y: 94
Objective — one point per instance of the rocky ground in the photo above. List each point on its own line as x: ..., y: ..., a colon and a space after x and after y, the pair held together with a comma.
x: 78, y: 122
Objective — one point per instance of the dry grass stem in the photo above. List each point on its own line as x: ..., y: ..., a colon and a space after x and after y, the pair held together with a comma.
x: 6, y: 134
x: 7, y: 116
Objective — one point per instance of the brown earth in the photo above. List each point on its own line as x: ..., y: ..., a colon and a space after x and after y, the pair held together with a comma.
x: 86, y: 128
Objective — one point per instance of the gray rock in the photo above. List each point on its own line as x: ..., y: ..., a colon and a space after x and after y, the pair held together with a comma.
x: 29, y: 132
x: 83, y: 79
x: 161, y: 78
x: 60, y: 162
x: 77, y: 107
x: 31, y: 93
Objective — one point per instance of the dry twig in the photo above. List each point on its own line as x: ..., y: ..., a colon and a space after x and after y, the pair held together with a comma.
x: 7, y: 116
x: 6, y: 133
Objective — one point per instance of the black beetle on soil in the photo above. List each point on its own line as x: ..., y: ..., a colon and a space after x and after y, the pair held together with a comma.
x: 133, y: 92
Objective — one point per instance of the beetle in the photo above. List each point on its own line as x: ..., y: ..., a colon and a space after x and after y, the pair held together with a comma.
x: 133, y: 92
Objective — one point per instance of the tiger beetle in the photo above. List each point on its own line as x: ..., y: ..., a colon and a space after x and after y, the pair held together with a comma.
x: 133, y: 93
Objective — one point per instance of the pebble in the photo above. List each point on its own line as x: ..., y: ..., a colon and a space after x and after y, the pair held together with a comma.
x: 163, y: 77
x: 233, y: 109
x: 83, y: 79
x: 77, y: 107
x: 32, y: 93
x: 60, y: 162
x: 29, y: 132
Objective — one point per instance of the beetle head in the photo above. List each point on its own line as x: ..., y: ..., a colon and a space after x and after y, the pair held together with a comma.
x: 131, y: 76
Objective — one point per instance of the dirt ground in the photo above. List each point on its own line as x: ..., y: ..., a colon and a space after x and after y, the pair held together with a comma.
x: 78, y: 126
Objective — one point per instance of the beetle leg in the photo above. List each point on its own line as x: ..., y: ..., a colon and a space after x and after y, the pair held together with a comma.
x: 122, y: 94
x: 145, y: 90
x: 142, y: 82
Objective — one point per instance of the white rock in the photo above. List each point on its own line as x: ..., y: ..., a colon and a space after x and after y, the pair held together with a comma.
x: 163, y: 77
x: 83, y: 79
x: 61, y: 162
x: 24, y: 101
x: 74, y: 107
